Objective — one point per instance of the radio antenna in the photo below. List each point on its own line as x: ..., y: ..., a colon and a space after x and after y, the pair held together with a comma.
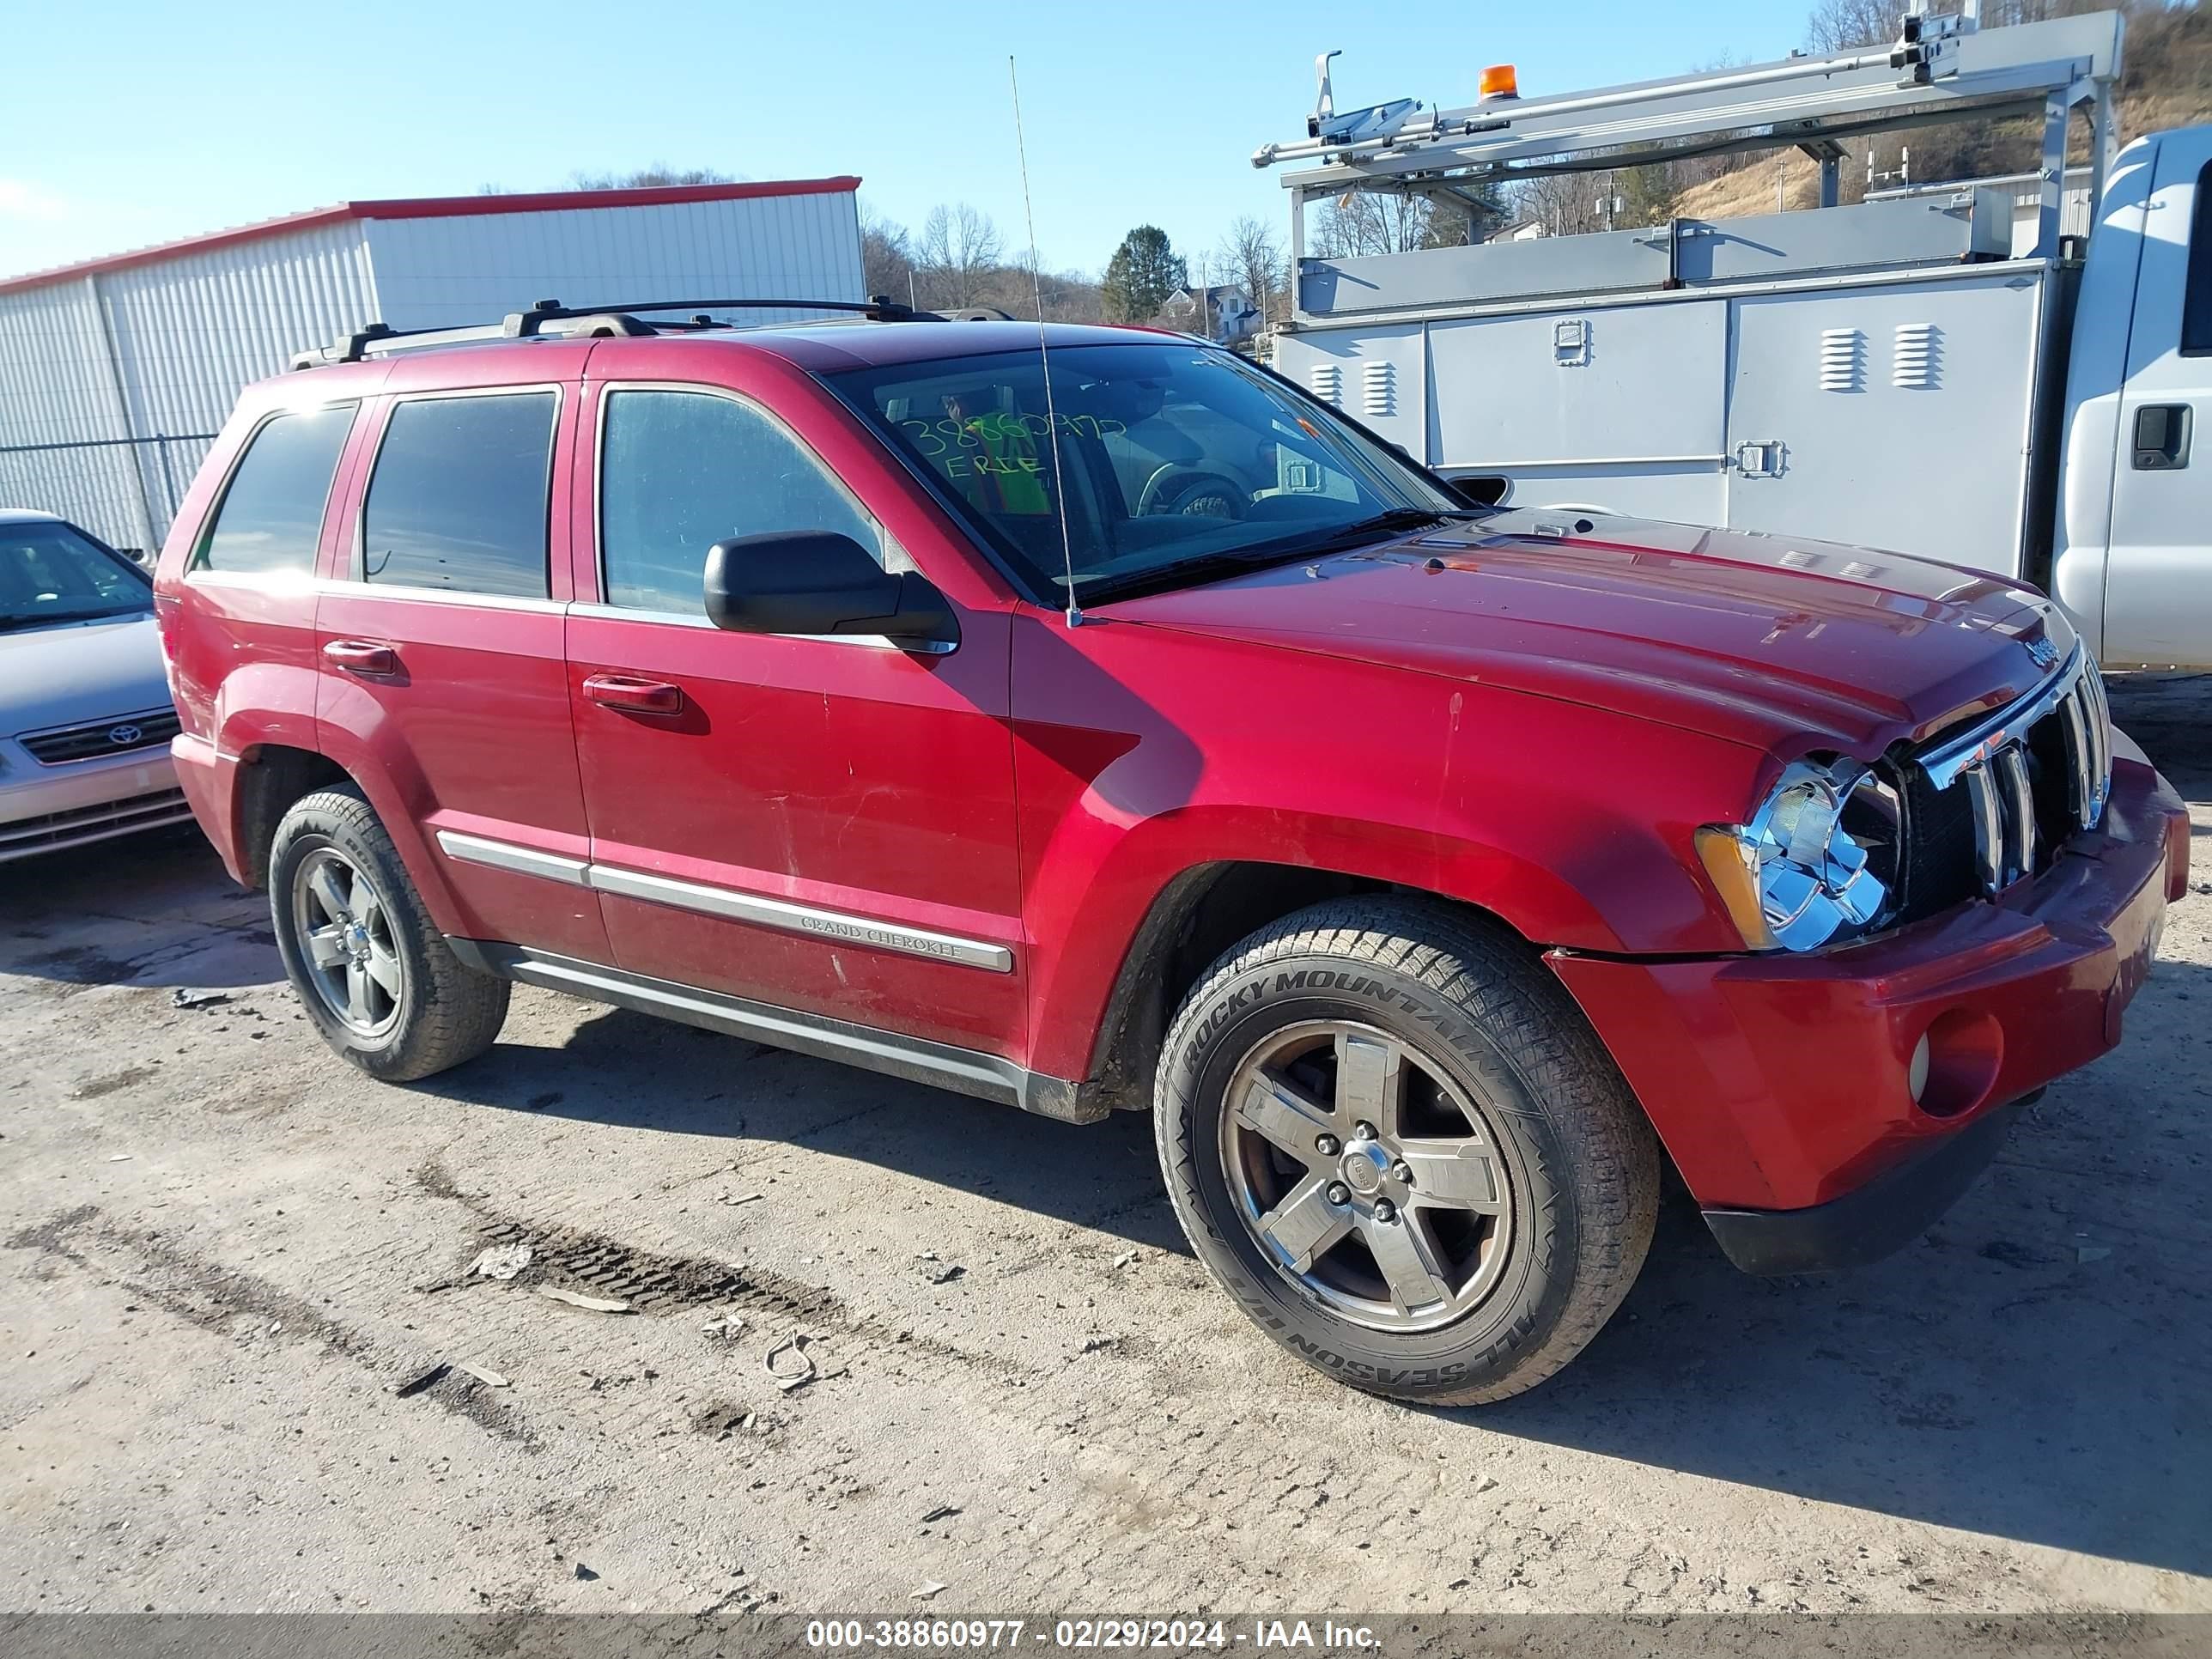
x: 1044, y: 356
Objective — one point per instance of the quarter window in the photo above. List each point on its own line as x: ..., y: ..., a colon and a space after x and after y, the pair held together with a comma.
x: 458, y: 498
x: 681, y: 470
x: 2196, y: 304
x: 271, y: 516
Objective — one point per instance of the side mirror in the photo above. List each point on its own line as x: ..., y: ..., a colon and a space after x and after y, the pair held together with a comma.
x: 815, y: 582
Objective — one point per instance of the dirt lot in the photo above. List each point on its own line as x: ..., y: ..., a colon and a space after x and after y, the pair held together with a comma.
x: 223, y: 1251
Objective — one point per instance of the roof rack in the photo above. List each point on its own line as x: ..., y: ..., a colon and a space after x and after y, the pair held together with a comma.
x: 592, y: 322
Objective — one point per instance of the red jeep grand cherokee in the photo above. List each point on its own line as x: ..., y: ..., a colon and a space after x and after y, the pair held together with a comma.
x: 1148, y: 735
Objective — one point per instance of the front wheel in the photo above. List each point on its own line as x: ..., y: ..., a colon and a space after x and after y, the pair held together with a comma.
x: 1390, y: 1135
x: 372, y: 970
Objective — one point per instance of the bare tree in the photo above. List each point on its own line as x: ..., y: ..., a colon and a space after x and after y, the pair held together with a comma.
x: 886, y: 256
x: 659, y: 173
x: 959, y: 256
x: 1363, y: 222
x: 1251, y: 256
x: 1838, y: 24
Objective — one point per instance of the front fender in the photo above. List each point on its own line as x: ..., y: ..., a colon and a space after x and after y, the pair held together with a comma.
x: 1143, y: 754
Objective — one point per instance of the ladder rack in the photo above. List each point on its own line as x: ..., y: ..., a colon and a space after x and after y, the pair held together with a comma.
x: 1941, y: 68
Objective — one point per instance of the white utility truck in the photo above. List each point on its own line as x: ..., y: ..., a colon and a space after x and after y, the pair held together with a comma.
x: 1886, y: 373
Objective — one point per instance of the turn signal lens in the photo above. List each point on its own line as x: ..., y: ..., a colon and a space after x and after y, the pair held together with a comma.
x: 1499, y: 81
x: 1735, y: 873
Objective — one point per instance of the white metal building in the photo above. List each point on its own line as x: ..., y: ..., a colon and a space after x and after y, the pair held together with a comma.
x: 116, y: 373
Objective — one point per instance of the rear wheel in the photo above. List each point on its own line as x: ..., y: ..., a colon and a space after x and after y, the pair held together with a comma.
x: 1389, y: 1133
x: 372, y: 970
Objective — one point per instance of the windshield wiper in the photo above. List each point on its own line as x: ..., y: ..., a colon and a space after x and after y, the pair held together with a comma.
x: 1212, y: 567
x: 1391, y: 521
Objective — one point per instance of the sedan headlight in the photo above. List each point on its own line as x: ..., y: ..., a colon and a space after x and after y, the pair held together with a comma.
x: 1795, y: 878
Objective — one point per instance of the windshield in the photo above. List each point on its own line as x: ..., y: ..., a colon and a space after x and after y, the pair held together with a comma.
x: 51, y: 572
x: 1182, y: 463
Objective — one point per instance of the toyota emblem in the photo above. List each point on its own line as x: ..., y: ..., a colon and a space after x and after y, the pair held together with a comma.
x: 124, y: 736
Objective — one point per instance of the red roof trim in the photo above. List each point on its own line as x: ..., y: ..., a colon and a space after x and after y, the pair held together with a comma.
x: 436, y: 207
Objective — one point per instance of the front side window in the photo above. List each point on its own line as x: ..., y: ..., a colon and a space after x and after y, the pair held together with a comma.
x: 459, y: 495
x: 271, y: 516
x: 1174, y: 463
x: 51, y: 572
x: 681, y: 470
x: 2197, y: 301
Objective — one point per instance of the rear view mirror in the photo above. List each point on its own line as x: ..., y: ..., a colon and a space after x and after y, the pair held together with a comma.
x: 815, y: 582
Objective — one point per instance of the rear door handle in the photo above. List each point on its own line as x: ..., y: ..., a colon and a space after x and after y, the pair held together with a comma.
x: 361, y: 657
x: 2162, y: 437
x: 637, y: 696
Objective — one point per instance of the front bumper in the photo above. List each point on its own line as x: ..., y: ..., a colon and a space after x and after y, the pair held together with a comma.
x: 1779, y: 1083
x: 44, y: 808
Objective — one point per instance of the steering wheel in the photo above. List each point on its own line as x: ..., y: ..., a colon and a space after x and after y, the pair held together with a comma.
x: 1202, y: 494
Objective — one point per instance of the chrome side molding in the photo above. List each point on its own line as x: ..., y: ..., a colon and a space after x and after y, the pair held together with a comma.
x: 729, y: 902
x: 506, y: 855
x: 964, y: 1071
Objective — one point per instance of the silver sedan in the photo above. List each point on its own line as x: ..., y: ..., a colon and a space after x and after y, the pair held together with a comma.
x: 85, y: 716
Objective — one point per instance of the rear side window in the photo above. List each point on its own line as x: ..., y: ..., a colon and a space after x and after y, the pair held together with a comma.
x: 271, y: 516
x: 2197, y: 305
x: 681, y: 470
x: 459, y: 496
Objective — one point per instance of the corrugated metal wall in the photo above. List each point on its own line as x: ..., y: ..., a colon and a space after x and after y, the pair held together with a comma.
x: 58, y: 387
x: 112, y: 383
x: 440, y: 273
x: 191, y: 333
x: 136, y: 370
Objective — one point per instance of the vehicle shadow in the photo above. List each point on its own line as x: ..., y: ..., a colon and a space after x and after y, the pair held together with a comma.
x: 154, y: 909
x: 633, y: 1071
x: 2170, y: 716
x: 2037, y: 1367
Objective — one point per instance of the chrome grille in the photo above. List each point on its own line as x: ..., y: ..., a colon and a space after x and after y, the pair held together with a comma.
x: 116, y: 736
x: 2025, y: 793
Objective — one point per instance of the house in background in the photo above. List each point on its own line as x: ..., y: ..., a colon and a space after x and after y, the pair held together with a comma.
x: 1221, y: 312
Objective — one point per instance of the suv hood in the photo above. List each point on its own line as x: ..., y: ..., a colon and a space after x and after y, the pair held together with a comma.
x: 1781, y: 644
x: 69, y: 673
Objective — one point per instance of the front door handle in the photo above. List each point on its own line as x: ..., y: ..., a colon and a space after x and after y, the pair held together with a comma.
x: 2162, y: 437
x: 635, y: 695
x: 361, y: 657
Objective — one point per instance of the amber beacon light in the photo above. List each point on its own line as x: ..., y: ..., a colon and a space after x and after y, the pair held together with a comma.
x: 1499, y: 81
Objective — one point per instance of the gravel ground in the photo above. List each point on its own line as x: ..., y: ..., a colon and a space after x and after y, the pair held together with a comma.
x: 230, y: 1266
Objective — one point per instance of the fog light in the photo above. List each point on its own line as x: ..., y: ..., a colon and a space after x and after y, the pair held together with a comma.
x: 1915, y: 1073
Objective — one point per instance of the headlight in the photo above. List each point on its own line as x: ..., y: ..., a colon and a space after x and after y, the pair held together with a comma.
x: 1794, y: 878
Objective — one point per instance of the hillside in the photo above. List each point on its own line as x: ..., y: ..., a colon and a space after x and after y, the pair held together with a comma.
x: 2167, y: 82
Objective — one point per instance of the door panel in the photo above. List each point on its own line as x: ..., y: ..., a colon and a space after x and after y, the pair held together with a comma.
x: 454, y: 702
x: 1617, y: 407
x: 820, y: 824
x: 1889, y: 416
x: 2158, y: 578
x: 858, y: 780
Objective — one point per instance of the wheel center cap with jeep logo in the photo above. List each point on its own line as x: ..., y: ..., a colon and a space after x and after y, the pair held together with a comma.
x: 1364, y: 1165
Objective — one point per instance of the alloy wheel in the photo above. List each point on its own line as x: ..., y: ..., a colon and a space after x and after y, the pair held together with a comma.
x: 1368, y: 1174
x: 344, y: 932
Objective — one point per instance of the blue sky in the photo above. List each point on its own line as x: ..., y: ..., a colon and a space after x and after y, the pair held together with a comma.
x: 131, y: 122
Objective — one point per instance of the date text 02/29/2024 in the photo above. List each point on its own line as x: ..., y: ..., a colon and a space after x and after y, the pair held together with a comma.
x: 1164, y: 1635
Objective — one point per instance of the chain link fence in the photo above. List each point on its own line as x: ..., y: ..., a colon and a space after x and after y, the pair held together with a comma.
x: 124, y: 490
